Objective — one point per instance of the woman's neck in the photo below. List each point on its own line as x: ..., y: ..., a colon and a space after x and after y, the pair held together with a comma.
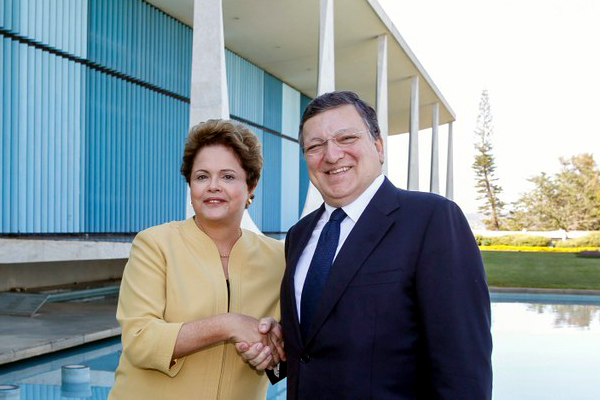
x: 223, y: 233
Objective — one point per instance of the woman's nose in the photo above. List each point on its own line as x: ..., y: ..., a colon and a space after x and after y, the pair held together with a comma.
x: 213, y: 184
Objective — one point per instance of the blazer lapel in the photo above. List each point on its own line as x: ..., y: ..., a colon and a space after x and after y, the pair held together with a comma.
x: 372, y: 225
x: 295, y: 251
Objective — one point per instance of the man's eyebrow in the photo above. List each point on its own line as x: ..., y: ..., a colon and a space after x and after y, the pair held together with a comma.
x: 339, y: 131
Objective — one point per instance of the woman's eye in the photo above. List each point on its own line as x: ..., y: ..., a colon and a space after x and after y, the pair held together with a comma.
x: 228, y: 177
x: 201, y: 177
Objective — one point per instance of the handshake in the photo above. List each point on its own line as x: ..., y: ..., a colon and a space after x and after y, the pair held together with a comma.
x: 259, y: 342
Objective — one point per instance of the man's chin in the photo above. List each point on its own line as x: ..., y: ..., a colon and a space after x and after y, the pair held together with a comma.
x: 337, y: 199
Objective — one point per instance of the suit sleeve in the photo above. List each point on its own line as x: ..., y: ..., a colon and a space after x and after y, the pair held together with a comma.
x: 282, y: 365
x: 148, y: 340
x: 454, y: 306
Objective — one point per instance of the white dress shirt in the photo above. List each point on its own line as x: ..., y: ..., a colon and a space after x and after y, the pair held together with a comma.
x: 353, y: 212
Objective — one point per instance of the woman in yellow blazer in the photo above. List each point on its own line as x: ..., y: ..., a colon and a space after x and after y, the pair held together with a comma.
x: 193, y: 288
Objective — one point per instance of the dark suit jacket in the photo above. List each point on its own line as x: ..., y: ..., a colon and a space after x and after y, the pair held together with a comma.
x: 405, y: 313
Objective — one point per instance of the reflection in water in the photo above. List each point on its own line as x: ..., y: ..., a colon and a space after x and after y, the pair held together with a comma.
x: 547, y: 351
x: 568, y: 315
x: 540, y: 352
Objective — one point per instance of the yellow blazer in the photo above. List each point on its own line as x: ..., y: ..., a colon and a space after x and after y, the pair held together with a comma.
x: 174, y: 275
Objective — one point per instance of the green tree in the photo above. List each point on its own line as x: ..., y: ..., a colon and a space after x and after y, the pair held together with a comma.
x: 569, y: 200
x: 485, y: 167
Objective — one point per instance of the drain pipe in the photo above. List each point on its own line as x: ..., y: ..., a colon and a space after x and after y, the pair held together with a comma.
x: 10, y: 392
x: 75, y: 381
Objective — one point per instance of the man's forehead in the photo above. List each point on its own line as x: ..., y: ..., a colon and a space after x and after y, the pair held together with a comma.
x: 333, y: 121
x: 335, y: 133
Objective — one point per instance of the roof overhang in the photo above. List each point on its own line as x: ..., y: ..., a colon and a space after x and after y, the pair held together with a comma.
x: 282, y: 38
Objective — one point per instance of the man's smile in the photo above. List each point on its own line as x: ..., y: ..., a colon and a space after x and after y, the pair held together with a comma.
x: 338, y: 170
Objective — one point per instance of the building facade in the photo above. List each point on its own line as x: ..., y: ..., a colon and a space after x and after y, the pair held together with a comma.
x: 94, y: 107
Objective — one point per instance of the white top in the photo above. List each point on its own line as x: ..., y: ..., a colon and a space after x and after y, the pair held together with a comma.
x: 353, y: 211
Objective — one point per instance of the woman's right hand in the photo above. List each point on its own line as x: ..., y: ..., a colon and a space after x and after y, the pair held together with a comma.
x: 259, y: 355
x: 243, y: 328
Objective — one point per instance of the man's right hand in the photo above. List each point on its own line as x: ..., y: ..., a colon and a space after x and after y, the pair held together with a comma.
x: 264, y: 355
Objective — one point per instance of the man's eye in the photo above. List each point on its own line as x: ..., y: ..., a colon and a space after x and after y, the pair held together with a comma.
x: 347, y: 139
x: 314, y: 148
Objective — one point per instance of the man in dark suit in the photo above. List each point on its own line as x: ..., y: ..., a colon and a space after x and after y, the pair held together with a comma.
x: 384, y: 294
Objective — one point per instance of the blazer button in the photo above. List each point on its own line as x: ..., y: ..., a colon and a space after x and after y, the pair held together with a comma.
x: 304, y: 358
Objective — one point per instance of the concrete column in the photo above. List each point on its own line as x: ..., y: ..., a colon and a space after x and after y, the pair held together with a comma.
x: 208, y: 96
x: 450, y: 166
x: 326, y: 77
x: 413, y: 143
x: 382, y: 94
x: 434, y: 180
x: 325, y: 83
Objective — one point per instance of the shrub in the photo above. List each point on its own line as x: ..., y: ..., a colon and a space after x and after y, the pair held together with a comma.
x: 531, y: 241
x: 589, y: 240
x: 478, y: 239
x: 515, y: 240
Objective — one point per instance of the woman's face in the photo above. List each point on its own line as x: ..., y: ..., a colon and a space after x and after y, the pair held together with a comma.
x: 218, y: 186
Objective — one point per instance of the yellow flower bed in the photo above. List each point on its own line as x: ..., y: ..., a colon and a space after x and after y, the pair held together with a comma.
x: 538, y: 249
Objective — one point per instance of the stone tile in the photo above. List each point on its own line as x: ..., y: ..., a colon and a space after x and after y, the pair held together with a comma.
x: 32, y: 351
x: 65, y: 343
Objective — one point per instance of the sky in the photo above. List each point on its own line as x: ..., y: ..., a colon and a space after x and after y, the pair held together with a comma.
x: 540, y: 63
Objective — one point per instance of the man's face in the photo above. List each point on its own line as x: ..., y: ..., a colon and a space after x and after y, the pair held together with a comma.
x: 341, y: 174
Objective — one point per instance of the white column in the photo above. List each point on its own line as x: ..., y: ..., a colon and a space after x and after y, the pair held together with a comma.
x: 326, y: 77
x: 325, y: 83
x: 208, y: 95
x: 434, y: 180
x: 382, y: 95
x: 450, y: 166
x: 413, y: 143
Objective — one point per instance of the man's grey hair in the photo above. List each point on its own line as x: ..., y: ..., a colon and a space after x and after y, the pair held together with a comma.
x: 331, y: 100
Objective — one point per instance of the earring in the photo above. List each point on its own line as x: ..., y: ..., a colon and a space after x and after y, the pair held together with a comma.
x: 249, y: 201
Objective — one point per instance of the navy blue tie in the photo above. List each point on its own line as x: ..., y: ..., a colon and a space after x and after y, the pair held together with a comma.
x: 319, y: 269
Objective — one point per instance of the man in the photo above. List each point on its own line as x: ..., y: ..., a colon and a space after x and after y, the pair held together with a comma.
x: 402, y: 311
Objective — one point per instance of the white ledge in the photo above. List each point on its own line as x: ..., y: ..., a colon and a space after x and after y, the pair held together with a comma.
x: 38, y: 250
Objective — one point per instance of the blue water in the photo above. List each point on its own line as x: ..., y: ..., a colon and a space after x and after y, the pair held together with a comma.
x: 544, y: 348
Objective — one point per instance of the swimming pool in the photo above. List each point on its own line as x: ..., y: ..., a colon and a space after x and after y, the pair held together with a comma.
x: 545, y: 348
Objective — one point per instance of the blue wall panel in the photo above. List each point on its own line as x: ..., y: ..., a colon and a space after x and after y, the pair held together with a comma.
x: 134, y: 144
x: 303, y: 179
x: 61, y: 24
x: 83, y: 150
x: 245, y: 86
x: 41, y: 149
x: 290, y: 173
x: 271, y: 175
x: 136, y: 39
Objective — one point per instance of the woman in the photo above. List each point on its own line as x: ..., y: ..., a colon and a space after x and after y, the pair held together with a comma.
x: 193, y: 288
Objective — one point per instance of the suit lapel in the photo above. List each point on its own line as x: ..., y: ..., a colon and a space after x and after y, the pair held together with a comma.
x: 363, y: 239
x: 295, y: 251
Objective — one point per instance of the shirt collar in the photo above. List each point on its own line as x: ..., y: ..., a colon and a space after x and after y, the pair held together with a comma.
x: 355, y: 209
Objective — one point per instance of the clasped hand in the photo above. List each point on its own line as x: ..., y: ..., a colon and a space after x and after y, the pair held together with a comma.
x: 263, y: 348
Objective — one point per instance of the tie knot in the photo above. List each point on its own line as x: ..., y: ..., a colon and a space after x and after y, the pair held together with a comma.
x: 337, y: 215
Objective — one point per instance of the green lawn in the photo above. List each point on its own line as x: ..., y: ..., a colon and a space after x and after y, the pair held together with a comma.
x: 541, y: 270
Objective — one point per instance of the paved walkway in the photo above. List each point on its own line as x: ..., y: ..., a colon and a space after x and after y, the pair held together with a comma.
x: 57, y: 326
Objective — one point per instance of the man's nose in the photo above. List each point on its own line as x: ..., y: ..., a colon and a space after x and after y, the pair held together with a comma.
x: 332, y: 151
